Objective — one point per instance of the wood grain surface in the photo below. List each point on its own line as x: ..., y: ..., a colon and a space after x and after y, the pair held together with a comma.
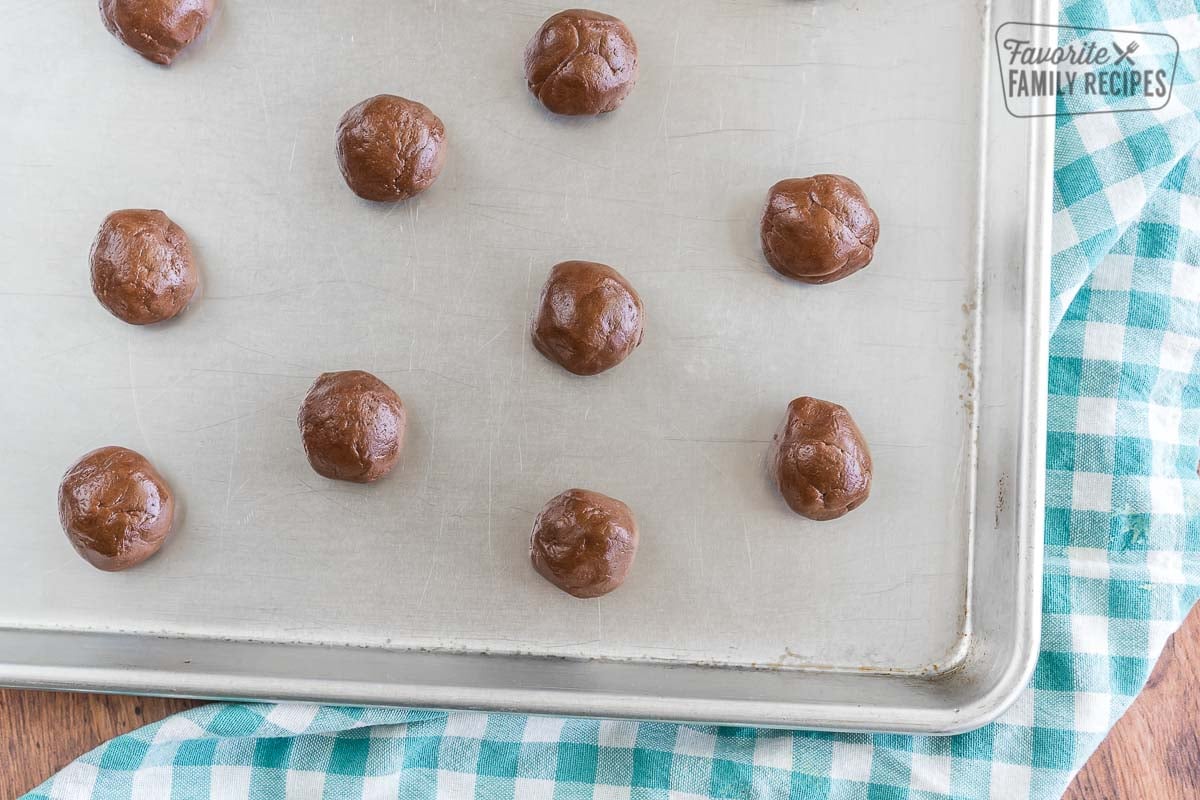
x: 1152, y: 754
x: 41, y: 732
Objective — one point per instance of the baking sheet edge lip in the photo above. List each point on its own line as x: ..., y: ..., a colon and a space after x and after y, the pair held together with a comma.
x: 945, y: 667
x: 1031, y: 522
x: 217, y: 687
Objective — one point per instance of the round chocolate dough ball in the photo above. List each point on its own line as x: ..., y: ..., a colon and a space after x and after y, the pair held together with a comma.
x: 352, y: 425
x: 819, y: 229
x: 581, y: 63
x: 584, y: 542
x: 390, y: 148
x: 142, y: 266
x: 115, y: 508
x: 588, y: 319
x: 156, y: 29
x: 819, y: 460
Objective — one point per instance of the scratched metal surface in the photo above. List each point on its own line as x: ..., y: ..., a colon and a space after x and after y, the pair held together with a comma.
x: 235, y: 142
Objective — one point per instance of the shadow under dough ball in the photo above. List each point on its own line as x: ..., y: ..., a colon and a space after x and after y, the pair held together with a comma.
x: 142, y: 267
x: 581, y: 63
x: 589, y: 318
x: 584, y: 542
x: 390, y: 148
x: 819, y: 229
x: 352, y: 425
x: 819, y: 460
x: 156, y: 29
x: 115, y: 508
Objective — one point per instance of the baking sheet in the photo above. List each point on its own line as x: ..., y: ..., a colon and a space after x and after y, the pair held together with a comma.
x: 235, y: 142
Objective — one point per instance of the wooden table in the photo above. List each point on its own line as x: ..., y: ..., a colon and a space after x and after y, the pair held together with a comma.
x: 1154, y: 751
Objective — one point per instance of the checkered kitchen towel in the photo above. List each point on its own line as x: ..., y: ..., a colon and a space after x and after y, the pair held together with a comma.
x: 1122, y: 557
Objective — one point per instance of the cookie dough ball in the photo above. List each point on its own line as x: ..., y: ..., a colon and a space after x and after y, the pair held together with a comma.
x: 588, y: 319
x: 581, y: 63
x: 818, y: 229
x: 156, y: 29
x: 390, y: 148
x: 352, y: 425
x: 819, y: 460
x: 142, y: 267
x: 584, y: 542
x: 115, y: 508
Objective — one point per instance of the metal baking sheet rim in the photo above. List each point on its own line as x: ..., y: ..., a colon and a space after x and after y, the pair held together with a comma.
x: 99, y: 662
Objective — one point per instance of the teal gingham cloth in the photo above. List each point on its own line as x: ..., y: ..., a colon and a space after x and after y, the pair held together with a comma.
x: 1122, y: 558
